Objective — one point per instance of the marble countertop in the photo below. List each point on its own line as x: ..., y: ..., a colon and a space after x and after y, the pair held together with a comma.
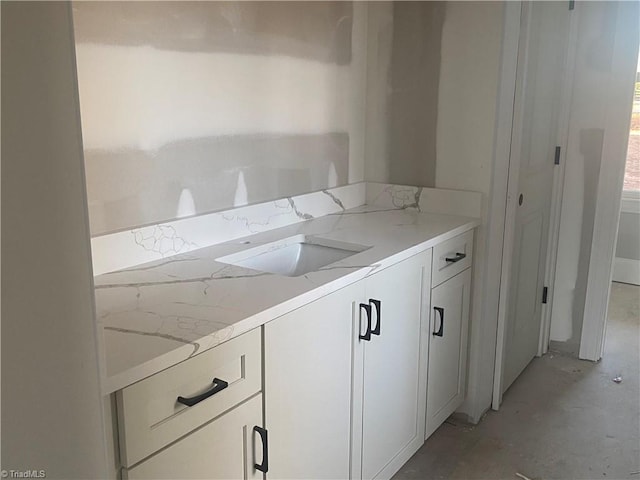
x: 160, y: 313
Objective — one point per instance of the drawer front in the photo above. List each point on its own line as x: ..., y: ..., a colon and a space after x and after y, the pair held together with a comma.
x: 149, y: 415
x: 448, y: 259
x: 227, y: 448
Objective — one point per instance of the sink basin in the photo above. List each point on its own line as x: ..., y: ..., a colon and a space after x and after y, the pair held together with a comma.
x: 293, y: 256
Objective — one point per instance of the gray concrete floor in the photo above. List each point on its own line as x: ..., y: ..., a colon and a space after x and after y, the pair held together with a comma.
x: 563, y: 418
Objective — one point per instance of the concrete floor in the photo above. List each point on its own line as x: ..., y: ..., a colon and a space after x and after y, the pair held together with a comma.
x: 563, y: 418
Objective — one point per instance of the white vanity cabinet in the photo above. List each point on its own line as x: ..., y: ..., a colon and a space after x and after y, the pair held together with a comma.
x: 350, y: 385
x: 448, y: 329
x: 344, y: 378
x: 307, y: 359
x: 388, y: 374
x: 201, y: 418
x: 227, y: 448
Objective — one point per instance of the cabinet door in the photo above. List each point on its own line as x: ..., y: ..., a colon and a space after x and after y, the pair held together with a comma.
x: 392, y: 402
x: 447, y: 348
x: 226, y: 448
x: 308, y: 388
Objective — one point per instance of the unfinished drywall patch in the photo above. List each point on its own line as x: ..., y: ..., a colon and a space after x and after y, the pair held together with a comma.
x: 204, y: 98
x: 403, y: 77
x: 413, y: 93
x: 379, y: 45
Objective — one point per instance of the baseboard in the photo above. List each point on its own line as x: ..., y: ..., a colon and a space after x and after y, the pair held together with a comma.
x: 626, y: 270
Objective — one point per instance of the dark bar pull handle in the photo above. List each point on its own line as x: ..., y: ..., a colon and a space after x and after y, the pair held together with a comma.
x: 378, y: 305
x: 459, y: 256
x: 367, y: 334
x: 264, y: 466
x: 218, y: 385
x: 440, y: 331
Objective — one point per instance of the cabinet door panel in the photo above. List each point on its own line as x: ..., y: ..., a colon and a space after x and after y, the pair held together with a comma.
x: 447, y: 348
x: 308, y: 388
x: 391, y: 426
x: 226, y: 448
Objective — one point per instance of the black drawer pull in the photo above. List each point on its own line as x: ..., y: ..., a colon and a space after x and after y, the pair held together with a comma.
x: 378, y: 305
x: 218, y: 385
x: 459, y: 256
x: 440, y: 331
x: 367, y: 334
x: 264, y: 466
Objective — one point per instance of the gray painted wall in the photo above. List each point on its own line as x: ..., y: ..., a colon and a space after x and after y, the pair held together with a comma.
x: 51, y: 404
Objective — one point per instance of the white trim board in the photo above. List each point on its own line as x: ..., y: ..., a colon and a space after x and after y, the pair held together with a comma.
x: 626, y: 270
x: 630, y: 202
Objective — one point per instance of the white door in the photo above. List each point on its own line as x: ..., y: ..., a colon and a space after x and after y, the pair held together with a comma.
x: 541, y: 60
x: 223, y: 449
x: 392, y: 403
x: 307, y: 362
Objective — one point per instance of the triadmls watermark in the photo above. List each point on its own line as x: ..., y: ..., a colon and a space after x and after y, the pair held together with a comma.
x: 23, y: 474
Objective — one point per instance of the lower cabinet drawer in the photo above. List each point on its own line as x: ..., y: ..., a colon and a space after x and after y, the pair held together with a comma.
x: 151, y: 415
x: 227, y: 448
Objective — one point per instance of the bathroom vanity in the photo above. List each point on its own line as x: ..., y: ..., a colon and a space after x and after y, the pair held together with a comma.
x: 220, y: 368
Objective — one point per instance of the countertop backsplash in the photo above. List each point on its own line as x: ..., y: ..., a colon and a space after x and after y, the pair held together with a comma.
x: 128, y: 248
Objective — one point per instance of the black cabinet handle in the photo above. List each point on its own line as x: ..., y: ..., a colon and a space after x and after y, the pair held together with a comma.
x: 459, y: 256
x: 440, y: 332
x: 264, y: 466
x: 218, y: 385
x: 367, y: 334
x: 378, y: 305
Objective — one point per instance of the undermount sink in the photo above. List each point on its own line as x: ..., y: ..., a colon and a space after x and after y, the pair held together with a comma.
x: 294, y: 256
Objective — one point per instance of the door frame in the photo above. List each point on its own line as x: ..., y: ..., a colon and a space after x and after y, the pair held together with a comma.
x: 610, y: 182
x: 511, y: 131
x: 558, y: 181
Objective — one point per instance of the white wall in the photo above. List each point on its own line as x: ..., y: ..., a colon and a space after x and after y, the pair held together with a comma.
x: 51, y: 403
x: 599, y: 105
x: 468, y: 97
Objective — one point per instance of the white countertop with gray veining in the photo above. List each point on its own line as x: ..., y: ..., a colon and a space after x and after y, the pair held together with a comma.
x: 160, y: 313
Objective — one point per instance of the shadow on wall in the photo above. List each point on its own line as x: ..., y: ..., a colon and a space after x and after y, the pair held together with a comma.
x: 591, y: 142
